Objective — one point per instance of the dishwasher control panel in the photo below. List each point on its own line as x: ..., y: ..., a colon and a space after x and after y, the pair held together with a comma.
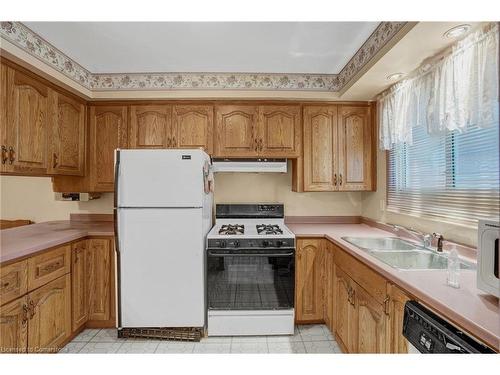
x: 430, y: 333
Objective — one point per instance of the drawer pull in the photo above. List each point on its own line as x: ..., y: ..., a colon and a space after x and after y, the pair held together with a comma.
x: 12, y: 155
x: 49, y: 268
x: 5, y: 285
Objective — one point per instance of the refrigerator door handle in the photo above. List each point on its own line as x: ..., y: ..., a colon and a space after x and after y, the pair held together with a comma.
x: 117, y: 175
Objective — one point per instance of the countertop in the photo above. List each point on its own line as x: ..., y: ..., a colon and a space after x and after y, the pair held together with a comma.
x: 470, y: 308
x: 20, y: 242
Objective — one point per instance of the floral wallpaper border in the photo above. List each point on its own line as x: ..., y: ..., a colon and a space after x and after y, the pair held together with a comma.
x: 20, y: 35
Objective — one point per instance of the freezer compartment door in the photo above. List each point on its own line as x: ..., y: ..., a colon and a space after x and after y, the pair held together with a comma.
x: 161, y: 267
x: 160, y: 178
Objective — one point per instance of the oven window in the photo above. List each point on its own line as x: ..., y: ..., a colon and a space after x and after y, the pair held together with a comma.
x: 250, y: 282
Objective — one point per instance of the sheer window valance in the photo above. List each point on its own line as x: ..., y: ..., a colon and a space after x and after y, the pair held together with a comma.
x: 453, y: 94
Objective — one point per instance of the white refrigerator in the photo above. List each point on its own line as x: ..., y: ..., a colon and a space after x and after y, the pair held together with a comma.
x: 163, y: 212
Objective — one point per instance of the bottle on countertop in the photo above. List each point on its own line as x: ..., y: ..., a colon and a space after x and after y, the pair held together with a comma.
x: 453, y: 277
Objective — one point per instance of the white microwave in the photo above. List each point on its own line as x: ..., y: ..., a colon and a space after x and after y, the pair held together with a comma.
x: 488, y: 266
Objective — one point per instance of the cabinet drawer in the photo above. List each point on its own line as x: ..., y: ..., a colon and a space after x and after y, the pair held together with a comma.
x: 48, y: 266
x: 369, y: 280
x: 13, y: 281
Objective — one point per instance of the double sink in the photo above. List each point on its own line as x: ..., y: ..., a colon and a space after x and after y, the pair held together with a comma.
x: 404, y: 255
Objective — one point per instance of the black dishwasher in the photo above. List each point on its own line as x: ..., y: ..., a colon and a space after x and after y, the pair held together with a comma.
x: 429, y: 333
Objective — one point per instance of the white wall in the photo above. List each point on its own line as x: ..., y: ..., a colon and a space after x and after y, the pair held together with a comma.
x: 32, y: 197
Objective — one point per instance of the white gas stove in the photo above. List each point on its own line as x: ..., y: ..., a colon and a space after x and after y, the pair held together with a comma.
x: 250, y: 271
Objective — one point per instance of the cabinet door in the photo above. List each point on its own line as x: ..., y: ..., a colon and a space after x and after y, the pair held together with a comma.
x: 236, y: 131
x: 345, y: 312
x: 99, y: 279
x: 67, y: 135
x: 192, y: 127
x: 370, y: 334
x: 320, y: 148
x: 14, y: 326
x: 329, y: 287
x: 398, y: 299
x: 108, y: 131
x: 150, y: 126
x: 279, y: 131
x: 27, y: 111
x: 50, y: 315
x: 355, y: 164
x: 79, y: 284
x: 4, y: 159
x: 309, y: 281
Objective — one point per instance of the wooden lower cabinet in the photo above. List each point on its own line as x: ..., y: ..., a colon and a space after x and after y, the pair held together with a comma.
x: 100, y: 282
x: 309, y: 281
x: 329, y: 287
x: 50, y: 315
x: 14, y: 326
x: 398, y: 298
x: 370, y: 322
x: 79, y: 295
x: 345, y: 311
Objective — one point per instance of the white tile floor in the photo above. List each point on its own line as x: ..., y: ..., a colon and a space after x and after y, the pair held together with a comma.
x: 307, y: 339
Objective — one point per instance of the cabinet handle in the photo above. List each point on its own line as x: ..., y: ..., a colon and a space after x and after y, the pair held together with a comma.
x: 256, y: 141
x: 5, y: 285
x: 169, y: 142
x: 54, y: 160
x: 387, y: 305
x: 174, y: 142
x: 261, y: 147
x: 335, y: 179
x: 12, y: 155
x: 32, y: 309
x: 4, y: 154
x: 25, y: 314
x: 340, y: 179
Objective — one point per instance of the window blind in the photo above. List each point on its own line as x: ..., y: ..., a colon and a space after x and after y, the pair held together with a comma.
x: 454, y: 176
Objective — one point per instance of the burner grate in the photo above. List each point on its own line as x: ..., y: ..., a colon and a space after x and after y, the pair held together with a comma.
x: 232, y: 229
x: 269, y: 229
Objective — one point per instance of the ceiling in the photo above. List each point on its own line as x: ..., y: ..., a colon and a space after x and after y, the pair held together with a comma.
x: 219, y: 47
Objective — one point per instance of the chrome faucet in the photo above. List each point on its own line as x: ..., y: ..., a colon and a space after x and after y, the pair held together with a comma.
x: 440, y: 238
x: 425, y: 238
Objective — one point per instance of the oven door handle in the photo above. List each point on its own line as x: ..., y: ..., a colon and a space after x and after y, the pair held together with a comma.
x: 243, y: 254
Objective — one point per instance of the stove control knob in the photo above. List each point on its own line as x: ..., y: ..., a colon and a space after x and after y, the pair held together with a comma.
x: 279, y: 243
x: 265, y: 243
x: 222, y: 244
x: 236, y: 243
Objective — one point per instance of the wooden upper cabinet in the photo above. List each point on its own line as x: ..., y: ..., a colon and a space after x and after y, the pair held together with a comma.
x: 236, y: 129
x: 4, y: 159
x: 27, y: 118
x: 150, y: 126
x: 67, y: 135
x: 14, y: 326
x: 355, y: 164
x: 108, y: 131
x: 192, y: 127
x: 320, y: 148
x: 279, y: 131
x: 309, y: 281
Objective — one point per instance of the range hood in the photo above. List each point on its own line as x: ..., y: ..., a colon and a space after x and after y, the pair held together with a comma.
x: 249, y: 165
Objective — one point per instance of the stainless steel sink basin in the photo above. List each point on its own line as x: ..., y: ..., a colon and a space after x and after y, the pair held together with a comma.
x: 402, y: 254
x: 380, y: 243
x: 416, y: 260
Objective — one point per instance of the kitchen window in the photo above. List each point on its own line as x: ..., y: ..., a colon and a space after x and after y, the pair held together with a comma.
x: 453, y: 176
